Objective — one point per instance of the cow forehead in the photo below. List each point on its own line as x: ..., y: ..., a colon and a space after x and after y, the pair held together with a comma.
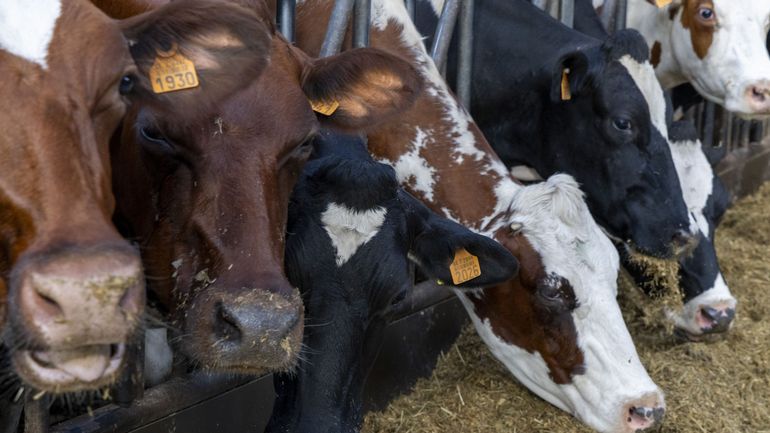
x: 644, y: 77
x: 27, y: 27
x: 349, y: 229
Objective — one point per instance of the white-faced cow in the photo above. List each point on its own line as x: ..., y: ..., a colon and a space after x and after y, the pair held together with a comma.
x: 718, y: 46
x: 74, y: 287
x: 556, y: 326
x: 203, y: 175
x: 554, y: 99
x: 351, y: 234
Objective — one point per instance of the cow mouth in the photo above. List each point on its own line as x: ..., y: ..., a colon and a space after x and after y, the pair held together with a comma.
x: 71, y: 369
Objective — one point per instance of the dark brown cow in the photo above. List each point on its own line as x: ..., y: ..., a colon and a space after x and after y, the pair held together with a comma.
x: 75, y: 288
x: 556, y: 326
x: 203, y: 177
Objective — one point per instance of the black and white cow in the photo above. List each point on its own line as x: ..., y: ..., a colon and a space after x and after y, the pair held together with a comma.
x: 351, y: 234
x: 608, y: 129
x: 709, y: 306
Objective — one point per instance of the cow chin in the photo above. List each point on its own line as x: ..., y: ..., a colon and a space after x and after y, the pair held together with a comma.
x: 249, y: 332
x: 70, y: 370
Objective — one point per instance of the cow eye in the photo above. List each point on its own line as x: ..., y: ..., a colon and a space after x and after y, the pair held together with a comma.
x: 621, y: 124
x: 126, y: 84
x: 154, y: 136
x: 707, y: 14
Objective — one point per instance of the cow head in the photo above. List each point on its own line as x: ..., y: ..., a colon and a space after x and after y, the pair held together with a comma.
x: 203, y: 176
x: 612, y: 137
x: 351, y: 233
x: 75, y: 288
x: 557, y: 326
x: 709, y: 306
x: 719, y: 46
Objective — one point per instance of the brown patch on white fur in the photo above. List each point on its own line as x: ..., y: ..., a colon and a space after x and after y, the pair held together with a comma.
x: 701, y: 30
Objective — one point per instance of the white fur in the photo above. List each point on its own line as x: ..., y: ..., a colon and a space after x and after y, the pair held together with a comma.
x: 158, y: 356
x: 697, y: 180
x: 555, y: 219
x: 736, y: 60
x: 348, y: 229
x: 413, y: 169
x: 644, y: 77
x: 27, y: 27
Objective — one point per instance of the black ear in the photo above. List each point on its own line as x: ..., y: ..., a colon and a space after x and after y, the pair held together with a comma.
x: 436, y: 241
x: 582, y: 66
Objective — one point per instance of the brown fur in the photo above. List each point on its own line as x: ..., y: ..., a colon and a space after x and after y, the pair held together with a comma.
x: 466, y: 190
x: 655, y: 54
x: 701, y: 31
x: 210, y: 211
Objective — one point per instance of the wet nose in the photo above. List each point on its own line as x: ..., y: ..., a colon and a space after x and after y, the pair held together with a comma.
x: 80, y: 299
x: 683, y: 242
x: 251, y: 327
x: 715, y: 320
x: 757, y: 97
x: 644, y: 418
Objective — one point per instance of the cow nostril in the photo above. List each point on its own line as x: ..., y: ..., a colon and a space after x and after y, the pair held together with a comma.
x: 642, y: 418
x: 682, y: 242
x: 717, y: 320
x: 226, y: 325
x: 47, y: 305
x: 759, y: 93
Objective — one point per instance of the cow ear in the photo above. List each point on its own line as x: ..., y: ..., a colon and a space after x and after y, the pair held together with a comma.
x: 574, y: 74
x: 360, y: 88
x: 222, y: 43
x: 439, y: 246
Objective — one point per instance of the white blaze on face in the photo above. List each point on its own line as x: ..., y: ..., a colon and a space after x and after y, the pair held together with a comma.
x: 348, y: 228
x: 644, y: 78
x: 697, y: 180
x: 27, y: 27
x: 556, y: 221
x: 737, y: 57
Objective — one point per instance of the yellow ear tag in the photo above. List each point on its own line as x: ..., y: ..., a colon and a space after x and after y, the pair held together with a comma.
x: 172, y: 71
x: 662, y: 3
x: 566, y: 95
x: 325, y: 108
x: 464, y: 267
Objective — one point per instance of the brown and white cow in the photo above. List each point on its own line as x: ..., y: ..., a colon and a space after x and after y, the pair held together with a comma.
x: 75, y: 288
x: 556, y: 326
x: 203, y: 176
x: 718, y: 46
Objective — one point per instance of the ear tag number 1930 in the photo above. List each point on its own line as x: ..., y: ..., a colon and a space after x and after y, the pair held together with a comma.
x: 172, y: 71
x: 464, y: 267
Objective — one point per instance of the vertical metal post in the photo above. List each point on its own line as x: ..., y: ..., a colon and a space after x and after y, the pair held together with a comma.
x: 443, y: 36
x: 362, y: 13
x: 36, y: 413
x: 338, y: 24
x: 567, y: 12
x: 708, y: 124
x: 410, y: 7
x: 286, y: 10
x: 465, y: 55
x: 620, y: 15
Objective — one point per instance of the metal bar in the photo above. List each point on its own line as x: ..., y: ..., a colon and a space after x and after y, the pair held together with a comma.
x: 465, y: 55
x: 443, y: 36
x: 745, y: 131
x: 410, y: 7
x: 286, y: 11
x: 338, y: 24
x: 36, y: 413
x: 708, y: 124
x: 620, y: 15
x: 567, y: 12
x: 362, y: 12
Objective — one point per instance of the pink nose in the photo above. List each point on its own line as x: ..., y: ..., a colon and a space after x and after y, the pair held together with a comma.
x: 715, y: 320
x: 758, y: 97
x: 644, y: 414
x: 77, y: 299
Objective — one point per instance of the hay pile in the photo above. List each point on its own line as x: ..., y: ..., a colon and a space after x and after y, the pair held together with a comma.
x: 720, y: 387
